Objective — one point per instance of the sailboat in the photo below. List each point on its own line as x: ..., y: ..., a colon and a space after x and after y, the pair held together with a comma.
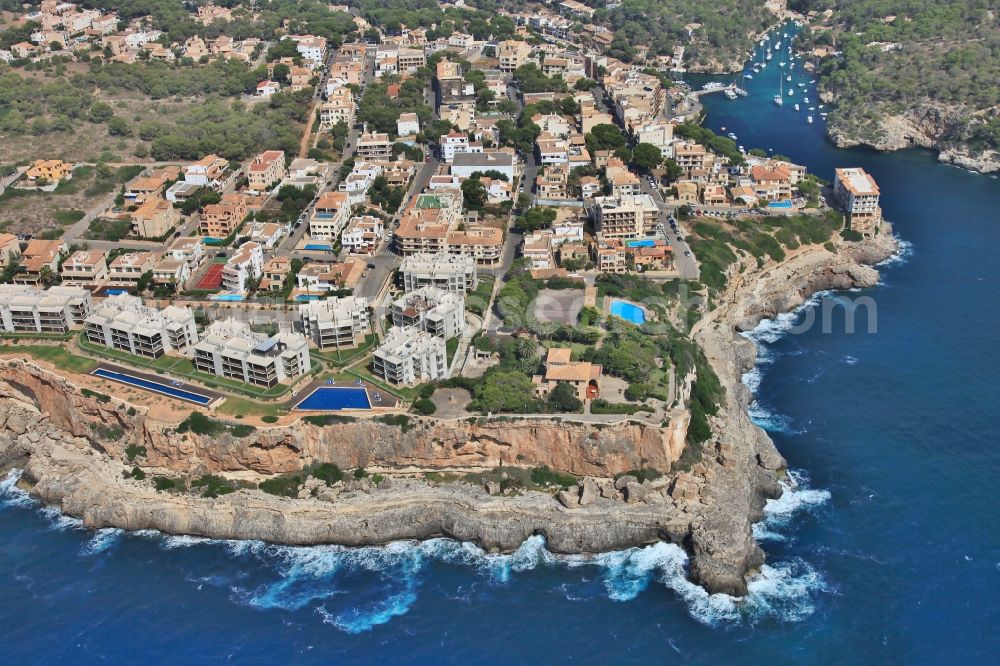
x: 779, y: 98
x: 810, y: 119
x: 796, y: 107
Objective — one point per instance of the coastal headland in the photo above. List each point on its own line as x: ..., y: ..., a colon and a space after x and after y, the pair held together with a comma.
x: 74, y: 449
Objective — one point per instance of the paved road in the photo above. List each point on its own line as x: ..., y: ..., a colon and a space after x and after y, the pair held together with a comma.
x: 686, y: 265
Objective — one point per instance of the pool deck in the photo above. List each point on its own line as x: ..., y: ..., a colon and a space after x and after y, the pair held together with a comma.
x: 388, y: 401
x: 214, y: 396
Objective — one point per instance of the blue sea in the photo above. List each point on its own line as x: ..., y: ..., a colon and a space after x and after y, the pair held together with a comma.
x: 884, y: 550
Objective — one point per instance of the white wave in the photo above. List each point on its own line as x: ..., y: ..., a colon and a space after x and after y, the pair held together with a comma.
x: 10, y: 494
x: 796, y: 497
x: 628, y: 572
x: 184, y: 541
x: 850, y: 360
x: 902, y: 255
x: 101, y: 541
x: 60, y: 521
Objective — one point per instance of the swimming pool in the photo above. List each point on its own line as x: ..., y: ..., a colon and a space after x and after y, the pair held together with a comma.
x: 155, y: 387
x: 332, y: 398
x: 307, y: 297
x: 780, y: 204
x: 628, y: 312
x: 318, y: 246
x: 115, y: 292
x: 227, y: 297
x: 642, y: 243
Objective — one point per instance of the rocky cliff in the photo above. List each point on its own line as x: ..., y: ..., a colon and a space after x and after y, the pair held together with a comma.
x: 71, y: 444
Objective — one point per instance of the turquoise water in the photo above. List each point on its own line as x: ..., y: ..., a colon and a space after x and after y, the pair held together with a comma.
x: 887, y: 551
x: 227, y: 297
x: 628, y: 312
x: 780, y: 204
x: 319, y: 246
x: 641, y: 243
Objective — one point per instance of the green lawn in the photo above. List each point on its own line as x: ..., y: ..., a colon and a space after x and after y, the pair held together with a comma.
x: 234, y: 406
x: 57, y: 356
x: 451, y: 346
x: 404, y: 393
x: 344, y: 357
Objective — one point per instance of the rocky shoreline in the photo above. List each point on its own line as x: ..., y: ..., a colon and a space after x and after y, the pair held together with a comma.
x: 71, y: 446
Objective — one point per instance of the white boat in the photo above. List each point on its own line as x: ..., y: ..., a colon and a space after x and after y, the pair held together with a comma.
x: 742, y: 149
x: 779, y: 99
x: 812, y: 80
x: 768, y: 56
x: 796, y: 107
x: 801, y: 85
x: 805, y: 99
x: 713, y: 85
x: 781, y: 64
x: 812, y: 108
x: 809, y: 119
x: 732, y: 135
x: 730, y: 94
x: 788, y: 78
x: 748, y: 76
x: 791, y: 92
x: 741, y: 92
x: 821, y: 106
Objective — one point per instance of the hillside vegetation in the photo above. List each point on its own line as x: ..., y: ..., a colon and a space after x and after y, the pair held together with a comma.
x: 935, y: 64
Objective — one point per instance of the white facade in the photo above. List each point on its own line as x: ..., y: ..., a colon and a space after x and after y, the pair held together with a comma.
x: 436, y: 311
x: 409, y: 355
x: 451, y: 272
x: 334, y: 323
x: 27, y: 309
x: 122, y: 322
x: 230, y: 349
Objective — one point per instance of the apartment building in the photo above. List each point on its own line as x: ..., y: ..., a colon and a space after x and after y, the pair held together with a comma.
x: 451, y: 143
x: 512, y: 54
x: 437, y: 311
x: 338, y: 108
x: 26, y: 309
x: 374, y: 146
x: 409, y: 356
x: 330, y: 216
x: 231, y: 350
x: 154, y: 218
x: 38, y: 257
x: 408, y: 61
x: 272, y: 275
x: 209, y: 171
x: 858, y: 193
x: 691, y: 156
x: 451, y: 272
x: 266, y: 170
x: 85, y: 267
x: 248, y: 261
x: 630, y: 216
x: 772, y: 183
x: 537, y: 250
x: 336, y: 323
x: 553, y: 183
x: 465, y: 163
x: 219, y: 220
x: 362, y: 234
x: 122, y: 322
x: 126, y: 269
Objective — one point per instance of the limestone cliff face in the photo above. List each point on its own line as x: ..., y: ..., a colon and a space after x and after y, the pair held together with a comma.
x: 574, y: 448
x: 922, y: 126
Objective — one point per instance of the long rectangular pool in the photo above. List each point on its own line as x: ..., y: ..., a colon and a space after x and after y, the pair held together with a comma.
x: 334, y: 398
x: 155, y: 387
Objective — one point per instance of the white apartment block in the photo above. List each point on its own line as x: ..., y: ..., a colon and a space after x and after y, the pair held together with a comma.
x: 122, y: 322
x: 454, y: 142
x: 231, y: 350
x: 451, y: 272
x: 126, y: 269
x: 436, y: 311
x: 27, y: 309
x: 409, y: 355
x: 330, y: 216
x: 248, y: 260
x: 336, y: 323
x: 362, y: 234
x: 85, y: 267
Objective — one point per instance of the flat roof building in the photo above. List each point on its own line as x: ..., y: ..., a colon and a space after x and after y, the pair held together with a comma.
x: 122, y: 322
x: 439, y: 312
x: 859, y: 194
x: 451, y: 272
x: 231, y: 350
x: 27, y: 309
x: 409, y: 355
x: 336, y: 323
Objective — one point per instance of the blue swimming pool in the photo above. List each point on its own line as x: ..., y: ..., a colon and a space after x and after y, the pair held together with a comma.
x: 332, y: 398
x: 227, y: 297
x: 647, y: 242
x: 628, y: 312
x: 319, y: 246
x: 155, y: 387
x: 115, y: 292
x: 780, y: 204
x: 307, y: 297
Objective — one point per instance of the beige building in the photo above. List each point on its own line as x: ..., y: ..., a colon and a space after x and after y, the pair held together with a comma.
x: 330, y: 216
x: 512, y: 54
x: 584, y: 377
x: 85, y: 267
x: 154, y: 218
x: 266, y: 170
x: 126, y: 269
x: 221, y: 219
x: 626, y: 217
x: 858, y: 193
